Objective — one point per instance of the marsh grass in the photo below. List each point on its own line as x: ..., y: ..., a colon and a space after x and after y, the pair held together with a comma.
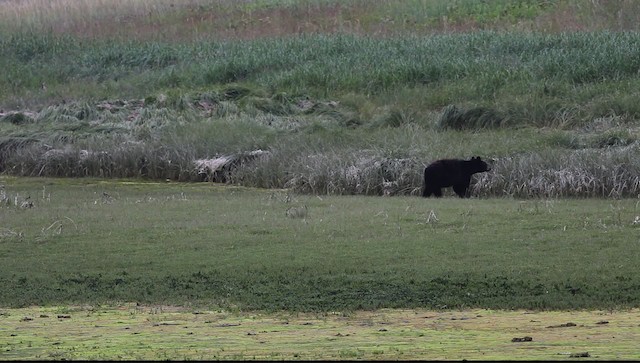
x: 607, y: 173
x: 313, y: 152
x: 526, y: 78
x: 255, y: 249
x: 348, y: 108
x: 350, y: 100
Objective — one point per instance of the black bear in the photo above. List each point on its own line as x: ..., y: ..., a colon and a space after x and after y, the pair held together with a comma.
x: 451, y: 172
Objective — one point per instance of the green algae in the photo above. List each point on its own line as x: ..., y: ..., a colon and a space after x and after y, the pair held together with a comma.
x: 133, y: 332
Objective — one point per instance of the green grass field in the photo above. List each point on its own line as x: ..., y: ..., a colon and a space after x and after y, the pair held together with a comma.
x: 174, y: 243
x: 314, y: 119
x: 113, y: 269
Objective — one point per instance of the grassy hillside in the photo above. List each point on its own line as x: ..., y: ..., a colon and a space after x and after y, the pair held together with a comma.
x: 340, y: 97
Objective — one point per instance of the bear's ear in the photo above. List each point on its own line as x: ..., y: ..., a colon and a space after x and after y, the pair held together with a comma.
x: 478, y: 158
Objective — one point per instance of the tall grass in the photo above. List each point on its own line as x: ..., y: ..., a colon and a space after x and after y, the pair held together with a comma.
x: 315, y: 153
x: 64, y: 16
x: 224, y: 19
x: 530, y: 78
x: 337, y: 112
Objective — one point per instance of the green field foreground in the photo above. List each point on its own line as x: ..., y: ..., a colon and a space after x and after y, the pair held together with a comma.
x: 127, y: 269
x: 89, y: 241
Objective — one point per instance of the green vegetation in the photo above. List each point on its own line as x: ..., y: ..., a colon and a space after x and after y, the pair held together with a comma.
x: 325, y: 98
x: 310, y: 111
x: 339, y: 97
x: 161, y: 132
x: 530, y: 79
x: 77, y: 242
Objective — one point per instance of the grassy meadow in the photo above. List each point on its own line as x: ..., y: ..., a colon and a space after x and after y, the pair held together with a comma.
x: 77, y: 242
x: 139, y: 270
x: 238, y: 158
x: 321, y: 99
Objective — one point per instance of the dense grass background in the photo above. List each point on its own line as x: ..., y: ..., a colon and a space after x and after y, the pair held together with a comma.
x: 342, y: 97
x: 534, y: 79
x: 354, y: 99
x: 505, y: 95
x: 96, y: 241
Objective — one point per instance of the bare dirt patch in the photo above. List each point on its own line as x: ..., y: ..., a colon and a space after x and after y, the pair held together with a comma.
x: 160, y: 332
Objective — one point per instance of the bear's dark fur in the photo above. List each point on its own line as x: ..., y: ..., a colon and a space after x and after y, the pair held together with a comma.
x: 454, y: 173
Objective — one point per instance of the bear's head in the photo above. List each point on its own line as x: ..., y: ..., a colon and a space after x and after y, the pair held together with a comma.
x: 478, y: 165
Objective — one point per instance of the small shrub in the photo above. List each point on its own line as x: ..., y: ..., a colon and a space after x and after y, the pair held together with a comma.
x: 392, y: 118
x: 473, y: 119
x: 614, y: 138
x: 236, y: 92
x: 16, y: 118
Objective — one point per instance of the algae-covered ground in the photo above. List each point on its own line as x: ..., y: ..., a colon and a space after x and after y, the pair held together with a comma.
x: 134, y: 332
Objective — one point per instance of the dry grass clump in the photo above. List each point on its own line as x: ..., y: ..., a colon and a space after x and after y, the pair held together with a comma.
x: 298, y: 212
x: 612, y: 172
x: 127, y: 160
x: 11, y: 145
x: 16, y: 118
x: 14, y: 200
x: 221, y: 169
x: 609, y: 173
x: 456, y: 118
x: 124, y: 139
x: 357, y: 173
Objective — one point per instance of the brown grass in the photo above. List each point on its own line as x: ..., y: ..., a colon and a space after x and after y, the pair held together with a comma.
x: 228, y: 19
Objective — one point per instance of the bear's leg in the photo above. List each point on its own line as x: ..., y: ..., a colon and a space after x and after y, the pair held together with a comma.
x: 427, y: 191
x: 437, y: 192
x: 461, y: 190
